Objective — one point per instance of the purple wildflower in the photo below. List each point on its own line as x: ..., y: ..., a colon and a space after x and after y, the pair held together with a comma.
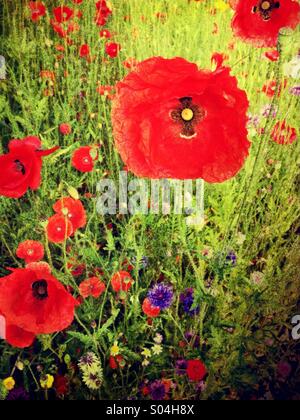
x: 253, y: 120
x: 192, y: 339
x: 161, y: 296
x: 187, y: 300
x: 157, y: 391
x: 201, y: 387
x: 295, y: 90
x: 18, y: 394
x: 269, y: 111
x: 231, y: 258
x: 181, y: 367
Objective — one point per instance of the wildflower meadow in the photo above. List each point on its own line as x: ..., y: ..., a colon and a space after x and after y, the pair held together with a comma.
x: 149, y: 200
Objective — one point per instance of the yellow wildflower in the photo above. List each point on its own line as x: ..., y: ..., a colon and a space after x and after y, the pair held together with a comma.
x: 146, y: 353
x: 115, y: 350
x: 47, y: 381
x: 157, y: 349
x: 9, y: 383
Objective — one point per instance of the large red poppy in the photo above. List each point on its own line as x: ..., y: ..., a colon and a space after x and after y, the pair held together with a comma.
x: 259, y: 21
x: 17, y: 337
x: 34, y: 302
x: 21, y: 167
x: 172, y: 120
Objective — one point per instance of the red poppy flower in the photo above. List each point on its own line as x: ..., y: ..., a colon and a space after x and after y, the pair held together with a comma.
x: 84, y: 51
x: 103, y: 13
x: 100, y: 20
x: 30, y: 251
x: 17, y: 337
x: 59, y: 229
x: 83, y: 159
x: 103, y: 8
x: 21, y: 167
x: 59, y: 29
x: 112, y: 49
x: 121, y: 281
x: 113, y: 363
x: 38, y: 10
x: 259, y: 21
x: 92, y: 287
x: 77, y: 269
x: 35, y: 304
x: 283, y: 133
x: 196, y: 370
x: 65, y: 129
x: 172, y: 120
x: 270, y: 88
x: 150, y: 310
x: 106, y: 91
x: 117, y: 362
x: 73, y: 210
x: 61, y: 383
x: 105, y: 34
x: 63, y: 14
x: 272, y: 55
x: 47, y: 74
x: 145, y: 391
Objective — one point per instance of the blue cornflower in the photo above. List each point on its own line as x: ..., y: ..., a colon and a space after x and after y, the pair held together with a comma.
x: 157, y: 391
x: 187, y: 300
x: 161, y: 296
x: 231, y: 258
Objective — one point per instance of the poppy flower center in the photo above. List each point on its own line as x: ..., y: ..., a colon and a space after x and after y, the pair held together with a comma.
x: 188, y: 115
x: 40, y: 289
x: 265, y: 8
x: 19, y: 167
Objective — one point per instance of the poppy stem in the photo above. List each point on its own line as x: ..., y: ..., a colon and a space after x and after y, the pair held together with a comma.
x: 34, y: 378
x: 10, y: 251
x: 48, y: 251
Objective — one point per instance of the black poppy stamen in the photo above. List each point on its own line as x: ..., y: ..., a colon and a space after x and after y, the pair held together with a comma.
x: 20, y: 167
x: 40, y: 289
x: 188, y: 115
x: 265, y: 8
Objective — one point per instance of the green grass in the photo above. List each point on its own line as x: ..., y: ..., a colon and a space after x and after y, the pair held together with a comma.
x: 262, y: 203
